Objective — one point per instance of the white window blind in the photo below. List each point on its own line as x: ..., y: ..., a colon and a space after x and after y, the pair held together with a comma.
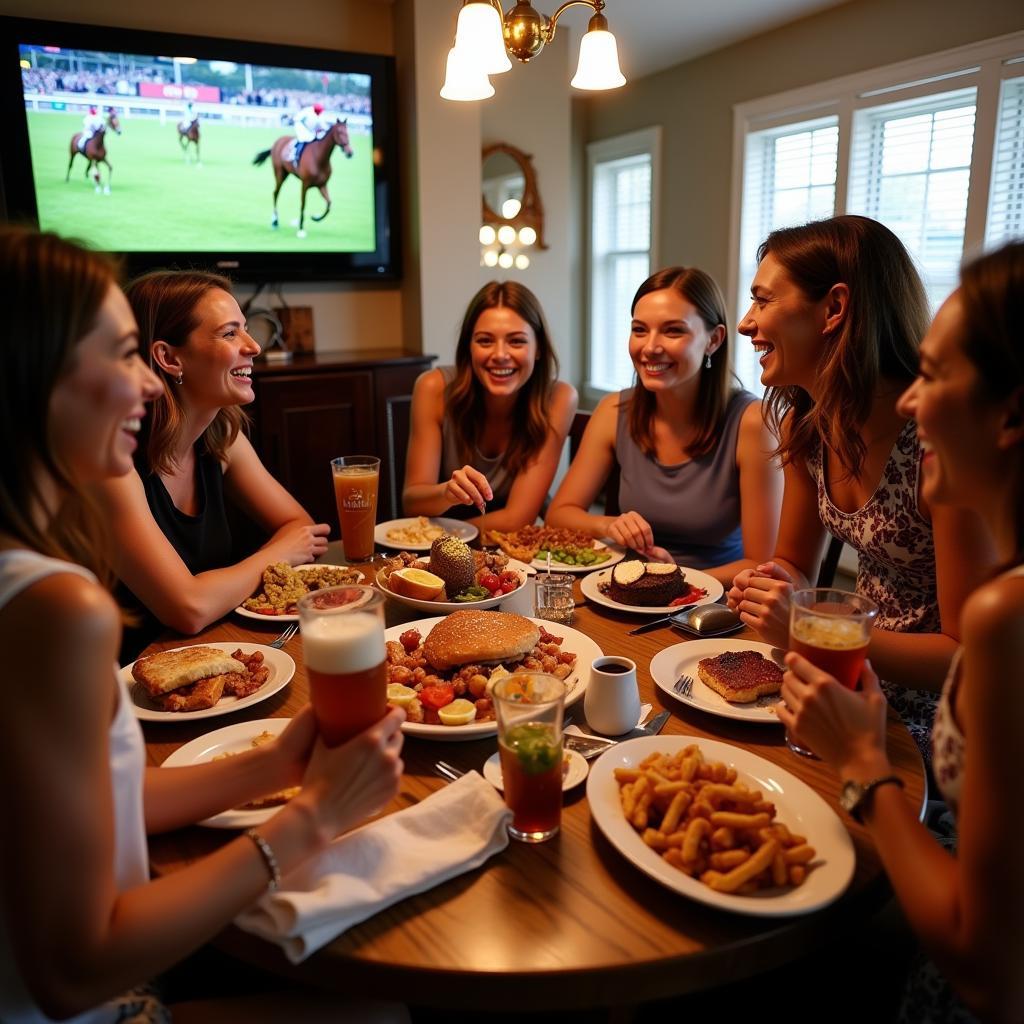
x: 620, y: 262
x: 789, y: 178
x: 1006, y: 195
x: 910, y: 169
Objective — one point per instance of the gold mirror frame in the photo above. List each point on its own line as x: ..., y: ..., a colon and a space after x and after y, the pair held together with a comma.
x: 531, y: 211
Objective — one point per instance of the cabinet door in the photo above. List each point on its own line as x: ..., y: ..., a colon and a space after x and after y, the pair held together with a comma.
x: 304, y: 422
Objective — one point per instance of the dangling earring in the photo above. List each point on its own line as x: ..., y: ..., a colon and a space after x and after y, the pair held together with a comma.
x: 179, y: 378
x: 707, y: 362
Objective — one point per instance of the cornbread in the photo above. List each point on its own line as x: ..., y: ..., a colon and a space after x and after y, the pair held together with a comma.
x: 740, y: 676
x: 467, y: 637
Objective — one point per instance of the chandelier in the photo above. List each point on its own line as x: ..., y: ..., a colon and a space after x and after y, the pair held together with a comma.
x: 486, y: 36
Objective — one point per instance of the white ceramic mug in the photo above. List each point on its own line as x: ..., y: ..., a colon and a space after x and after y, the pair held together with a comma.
x: 612, y: 702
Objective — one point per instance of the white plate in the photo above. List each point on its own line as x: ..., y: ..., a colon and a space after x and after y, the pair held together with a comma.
x: 232, y: 739
x: 289, y: 616
x: 464, y: 531
x: 281, y: 666
x: 799, y: 807
x: 575, y: 774
x: 581, y: 644
x: 616, y: 554
x: 589, y: 586
x: 672, y: 662
x: 454, y: 606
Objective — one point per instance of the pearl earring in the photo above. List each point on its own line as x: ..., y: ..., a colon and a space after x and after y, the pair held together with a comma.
x: 707, y: 362
x: 179, y: 378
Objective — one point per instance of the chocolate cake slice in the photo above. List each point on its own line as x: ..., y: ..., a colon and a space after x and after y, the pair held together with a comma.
x: 646, y: 584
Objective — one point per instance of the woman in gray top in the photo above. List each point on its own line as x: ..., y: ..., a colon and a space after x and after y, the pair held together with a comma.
x: 698, y: 485
x: 487, y: 433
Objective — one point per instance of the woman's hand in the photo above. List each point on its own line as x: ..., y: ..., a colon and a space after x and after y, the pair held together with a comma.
x: 292, y: 749
x: 761, y: 597
x: 632, y: 531
x: 344, y: 785
x: 468, y: 486
x: 298, y: 543
x: 843, y: 727
x: 656, y: 554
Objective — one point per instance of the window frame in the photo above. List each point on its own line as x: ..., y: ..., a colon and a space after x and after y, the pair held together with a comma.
x: 983, y: 65
x: 645, y: 141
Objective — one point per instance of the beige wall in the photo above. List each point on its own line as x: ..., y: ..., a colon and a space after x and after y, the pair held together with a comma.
x: 347, y: 316
x: 694, y: 101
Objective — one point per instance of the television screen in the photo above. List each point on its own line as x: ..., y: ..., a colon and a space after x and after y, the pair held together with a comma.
x: 267, y: 161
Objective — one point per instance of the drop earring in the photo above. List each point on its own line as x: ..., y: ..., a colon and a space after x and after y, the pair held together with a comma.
x: 179, y: 378
x: 707, y: 362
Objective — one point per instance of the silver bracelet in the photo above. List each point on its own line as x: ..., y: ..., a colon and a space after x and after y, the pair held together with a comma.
x: 268, y: 858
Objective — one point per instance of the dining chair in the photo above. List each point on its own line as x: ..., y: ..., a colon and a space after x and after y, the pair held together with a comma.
x: 610, y: 493
x: 827, y: 572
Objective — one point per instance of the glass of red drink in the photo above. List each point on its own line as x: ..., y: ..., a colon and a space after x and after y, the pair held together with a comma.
x: 343, y: 648
x: 832, y: 630
x: 529, y: 708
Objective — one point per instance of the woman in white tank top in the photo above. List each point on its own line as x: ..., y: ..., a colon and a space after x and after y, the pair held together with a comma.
x: 80, y: 922
x: 968, y: 403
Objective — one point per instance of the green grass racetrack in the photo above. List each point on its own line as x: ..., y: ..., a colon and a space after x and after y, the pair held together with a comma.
x: 160, y: 203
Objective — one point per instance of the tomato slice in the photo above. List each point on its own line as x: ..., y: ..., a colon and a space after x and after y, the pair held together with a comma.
x: 437, y: 696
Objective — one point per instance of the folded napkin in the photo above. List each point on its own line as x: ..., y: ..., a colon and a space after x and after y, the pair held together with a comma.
x: 453, y: 830
x: 575, y: 730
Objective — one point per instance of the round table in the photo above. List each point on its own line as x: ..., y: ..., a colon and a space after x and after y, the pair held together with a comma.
x: 565, y: 924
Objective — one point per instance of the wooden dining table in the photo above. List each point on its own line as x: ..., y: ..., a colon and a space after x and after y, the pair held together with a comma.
x: 565, y: 924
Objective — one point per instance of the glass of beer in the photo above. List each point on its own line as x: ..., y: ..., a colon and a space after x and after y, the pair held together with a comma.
x: 529, y: 708
x: 343, y: 647
x: 832, y: 630
x: 356, y: 478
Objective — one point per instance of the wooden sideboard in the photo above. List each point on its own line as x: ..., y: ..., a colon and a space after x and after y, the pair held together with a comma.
x: 325, y: 404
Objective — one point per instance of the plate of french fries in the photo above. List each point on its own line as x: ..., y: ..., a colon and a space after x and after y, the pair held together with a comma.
x: 721, y: 825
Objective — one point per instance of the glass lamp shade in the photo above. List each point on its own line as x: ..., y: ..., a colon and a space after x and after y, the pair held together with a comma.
x: 490, y: 258
x: 487, y: 235
x: 506, y: 234
x: 510, y: 208
x: 464, y: 79
x: 599, y: 62
x: 522, y: 261
x: 505, y: 260
x: 527, y: 236
x: 479, y: 32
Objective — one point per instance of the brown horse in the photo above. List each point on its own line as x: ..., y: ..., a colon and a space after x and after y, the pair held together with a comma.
x: 314, y: 168
x: 190, y: 133
x: 95, y: 151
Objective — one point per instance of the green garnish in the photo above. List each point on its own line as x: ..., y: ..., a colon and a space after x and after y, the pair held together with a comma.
x: 575, y: 556
x: 536, y: 747
x: 473, y: 593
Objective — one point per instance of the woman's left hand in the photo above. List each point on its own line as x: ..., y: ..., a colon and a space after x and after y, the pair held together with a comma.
x: 765, y: 601
x: 843, y: 727
x: 294, y: 746
x: 656, y: 554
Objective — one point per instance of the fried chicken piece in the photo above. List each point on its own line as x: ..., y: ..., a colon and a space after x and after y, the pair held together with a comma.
x: 200, y: 695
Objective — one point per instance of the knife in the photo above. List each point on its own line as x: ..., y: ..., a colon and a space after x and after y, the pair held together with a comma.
x: 647, y: 626
x: 591, y: 746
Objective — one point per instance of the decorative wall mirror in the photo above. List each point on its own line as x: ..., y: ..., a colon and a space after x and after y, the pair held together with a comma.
x: 513, y: 216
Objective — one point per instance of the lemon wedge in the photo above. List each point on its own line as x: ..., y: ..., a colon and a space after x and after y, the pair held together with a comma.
x: 400, y: 696
x: 459, y: 712
x: 417, y: 583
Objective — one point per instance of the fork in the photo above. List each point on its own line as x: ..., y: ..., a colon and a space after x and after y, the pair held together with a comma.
x: 448, y: 771
x: 289, y: 632
x: 684, y: 686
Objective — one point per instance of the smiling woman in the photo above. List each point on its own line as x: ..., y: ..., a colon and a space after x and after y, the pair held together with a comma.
x: 175, y: 553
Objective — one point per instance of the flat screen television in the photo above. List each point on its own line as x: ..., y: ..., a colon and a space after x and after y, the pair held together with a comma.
x: 195, y: 135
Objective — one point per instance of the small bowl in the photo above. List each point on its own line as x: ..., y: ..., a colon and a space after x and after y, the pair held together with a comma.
x: 441, y: 607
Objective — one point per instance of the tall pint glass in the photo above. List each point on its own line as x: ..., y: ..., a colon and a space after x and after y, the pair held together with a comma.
x: 343, y: 647
x: 356, y: 479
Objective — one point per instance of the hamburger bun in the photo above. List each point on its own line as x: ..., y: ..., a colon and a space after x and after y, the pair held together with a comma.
x: 469, y: 637
x: 170, y: 670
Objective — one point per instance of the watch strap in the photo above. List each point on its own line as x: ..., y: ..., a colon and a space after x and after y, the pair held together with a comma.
x: 867, y: 791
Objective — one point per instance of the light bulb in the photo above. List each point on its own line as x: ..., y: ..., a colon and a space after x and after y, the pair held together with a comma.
x: 510, y: 208
x: 490, y: 258
x: 487, y: 235
x: 506, y: 234
x: 505, y: 260
x: 479, y: 32
x: 522, y: 261
x: 464, y: 79
x: 527, y: 236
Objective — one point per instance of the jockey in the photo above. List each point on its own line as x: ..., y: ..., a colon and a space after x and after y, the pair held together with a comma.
x: 91, y: 124
x: 310, y: 124
x: 190, y: 117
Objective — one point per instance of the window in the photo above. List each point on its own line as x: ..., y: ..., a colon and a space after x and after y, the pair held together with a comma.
x: 623, y: 192
x: 932, y: 148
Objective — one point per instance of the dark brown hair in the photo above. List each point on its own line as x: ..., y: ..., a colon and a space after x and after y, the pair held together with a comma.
x: 992, y: 304
x: 55, y: 290
x: 878, y: 339
x: 464, y: 397
x: 164, y: 303
x: 715, y: 384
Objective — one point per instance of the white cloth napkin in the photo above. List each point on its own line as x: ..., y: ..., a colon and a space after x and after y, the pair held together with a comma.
x: 453, y: 830
x: 575, y: 730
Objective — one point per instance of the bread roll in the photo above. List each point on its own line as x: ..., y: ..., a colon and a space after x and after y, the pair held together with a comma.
x: 468, y: 637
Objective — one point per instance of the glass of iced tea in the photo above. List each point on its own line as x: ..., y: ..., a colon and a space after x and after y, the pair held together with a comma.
x: 343, y: 648
x: 356, y: 479
x: 832, y: 630
x: 529, y: 708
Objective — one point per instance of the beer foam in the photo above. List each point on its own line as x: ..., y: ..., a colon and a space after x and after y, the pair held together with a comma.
x: 830, y: 633
x: 348, y: 642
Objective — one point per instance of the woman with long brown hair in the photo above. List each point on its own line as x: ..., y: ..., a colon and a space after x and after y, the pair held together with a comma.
x: 487, y: 433
x: 82, y: 926
x: 838, y: 314
x: 697, y: 484
x: 175, y: 552
x: 967, y: 402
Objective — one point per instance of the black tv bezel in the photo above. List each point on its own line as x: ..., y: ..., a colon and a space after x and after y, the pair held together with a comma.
x: 17, y: 187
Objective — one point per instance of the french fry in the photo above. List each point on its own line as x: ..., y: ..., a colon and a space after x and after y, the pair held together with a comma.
x: 797, y: 873
x: 627, y: 774
x: 780, y: 870
x: 723, y: 839
x: 699, y: 828
x: 654, y: 839
x: 729, y: 859
x: 731, y: 819
x: 675, y: 811
x: 748, y: 870
x: 799, y: 854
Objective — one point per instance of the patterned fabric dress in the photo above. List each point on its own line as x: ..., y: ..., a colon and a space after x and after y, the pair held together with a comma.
x: 896, y: 563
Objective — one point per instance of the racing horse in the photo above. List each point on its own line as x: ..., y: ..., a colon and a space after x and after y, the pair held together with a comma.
x: 95, y: 151
x: 189, y: 133
x: 314, y: 168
